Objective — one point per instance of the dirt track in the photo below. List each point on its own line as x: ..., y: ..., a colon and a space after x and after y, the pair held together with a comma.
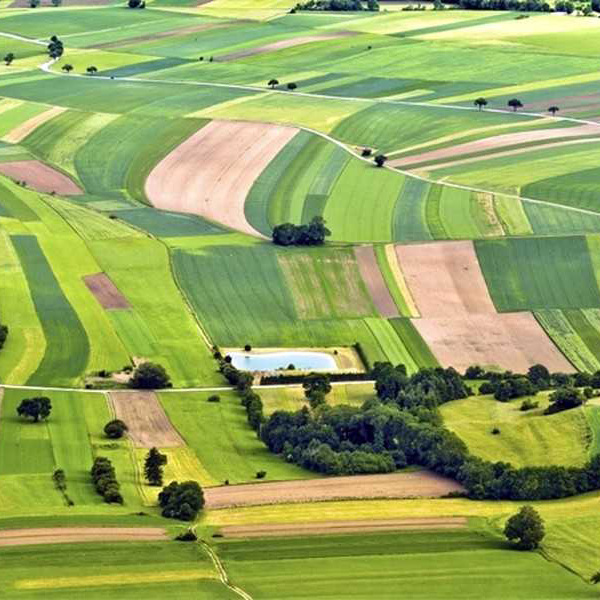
x: 421, y: 484
x: 146, y: 419
x: 71, y: 535
x: 40, y: 177
x: 280, y: 45
x: 211, y: 173
x: 496, y: 142
x: 18, y: 134
x: 445, y: 279
x: 334, y: 527
x: 513, y: 341
x: 371, y: 274
x: 105, y: 291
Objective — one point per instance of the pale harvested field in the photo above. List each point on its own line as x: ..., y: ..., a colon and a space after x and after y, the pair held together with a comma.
x: 211, y: 173
x: 146, y: 419
x: 421, y: 484
x: 280, y: 45
x: 71, y: 535
x: 18, y: 134
x: 335, y: 527
x: 513, y: 152
x: 105, y: 291
x: 371, y: 274
x: 513, y: 341
x: 40, y: 177
x: 497, y: 141
x: 445, y: 279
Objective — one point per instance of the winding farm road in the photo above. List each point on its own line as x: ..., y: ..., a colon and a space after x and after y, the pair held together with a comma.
x: 46, y: 68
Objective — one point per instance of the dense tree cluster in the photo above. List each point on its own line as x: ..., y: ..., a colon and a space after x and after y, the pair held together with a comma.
x: 313, y: 234
x: 516, y: 5
x: 564, y: 398
x: 36, y: 408
x: 250, y: 400
x: 403, y: 426
x: 181, y: 500
x: 105, y: 480
x: 337, y: 5
x: 150, y: 376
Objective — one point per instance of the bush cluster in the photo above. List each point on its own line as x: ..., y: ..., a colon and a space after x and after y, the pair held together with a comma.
x: 181, y: 500
x: 313, y: 234
x: 3, y: 335
x: 105, y: 480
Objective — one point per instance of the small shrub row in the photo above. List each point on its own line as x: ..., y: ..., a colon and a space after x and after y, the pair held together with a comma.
x: 105, y: 480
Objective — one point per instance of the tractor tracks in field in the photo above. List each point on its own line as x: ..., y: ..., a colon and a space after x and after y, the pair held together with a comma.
x: 223, y: 573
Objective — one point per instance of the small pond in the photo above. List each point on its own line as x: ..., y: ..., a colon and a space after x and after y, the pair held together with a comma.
x: 271, y: 361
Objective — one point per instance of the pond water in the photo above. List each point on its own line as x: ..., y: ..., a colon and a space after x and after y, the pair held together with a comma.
x: 271, y: 361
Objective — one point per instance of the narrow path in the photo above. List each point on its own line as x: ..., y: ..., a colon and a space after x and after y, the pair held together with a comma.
x: 223, y: 573
x: 46, y: 68
x: 224, y: 388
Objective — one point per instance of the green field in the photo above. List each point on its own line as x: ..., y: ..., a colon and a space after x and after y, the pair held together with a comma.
x: 354, y: 84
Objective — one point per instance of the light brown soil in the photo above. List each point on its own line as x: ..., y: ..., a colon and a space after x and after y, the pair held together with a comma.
x: 444, y: 279
x: 335, y: 527
x: 514, y: 152
x: 19, y: 133
x: 40, y: 177
x: 146, y: 419
x: 513, y: 341
x: 280, y: 45
x: 371, y: 274
x: 211, y: 173
x: 497, y: 141
x: 421, y: 484
x: 162, y: 34
x: 105, y: 291
x: 70, y: 535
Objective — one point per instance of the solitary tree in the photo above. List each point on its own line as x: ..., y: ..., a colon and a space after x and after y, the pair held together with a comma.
x: 91, y: 70
x: 67, y: 68
x: 35, y: 408
x: 272, y: 83
x: 55, y: 47
x: 115, y: 429
x: 291, y: 86
x: 380, y: 160
x: 8, y: 58
x: 515, y: 104
x: 595, y: 578
x: 181, y: 500
x: 553, y: 110
x: 480, y: 103
x: 34, y: 3
x: 153, y: 466
x: 56, y: 3
x: 526, y: 528
x: 150, y: 376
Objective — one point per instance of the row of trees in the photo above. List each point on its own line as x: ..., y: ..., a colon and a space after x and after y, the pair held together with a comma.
x: 105, y: 481
x: 313, y: 234
x: 403, y: 426
x: 336, y: 5
x: 513, y: 103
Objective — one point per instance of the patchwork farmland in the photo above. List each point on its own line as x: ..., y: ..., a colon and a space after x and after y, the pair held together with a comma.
x: 299, y: 301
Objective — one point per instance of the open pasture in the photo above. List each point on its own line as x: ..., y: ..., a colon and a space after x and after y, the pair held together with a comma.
x: 389, y: 564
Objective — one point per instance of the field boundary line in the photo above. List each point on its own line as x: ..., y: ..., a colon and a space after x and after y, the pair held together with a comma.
x: 223, y: 573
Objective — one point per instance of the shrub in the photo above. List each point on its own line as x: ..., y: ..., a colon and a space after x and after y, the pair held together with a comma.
x: 261, y: 474
x: 187, y: 536
x: 214, y: 398
x: 496, y: 431
x: 247, y: 347
x: 150, y: 376
x: 528, y: 405
x: 115, y: 429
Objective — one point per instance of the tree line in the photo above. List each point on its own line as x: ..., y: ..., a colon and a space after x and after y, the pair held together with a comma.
x: 336, y: 5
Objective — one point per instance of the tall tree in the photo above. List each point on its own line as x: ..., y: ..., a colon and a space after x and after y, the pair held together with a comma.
x: 480, y: 103
x: 272, y: 83
x: 553, y: 110
x: 515, y: 104
x: 8, y: 58
x: 153, y: 466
